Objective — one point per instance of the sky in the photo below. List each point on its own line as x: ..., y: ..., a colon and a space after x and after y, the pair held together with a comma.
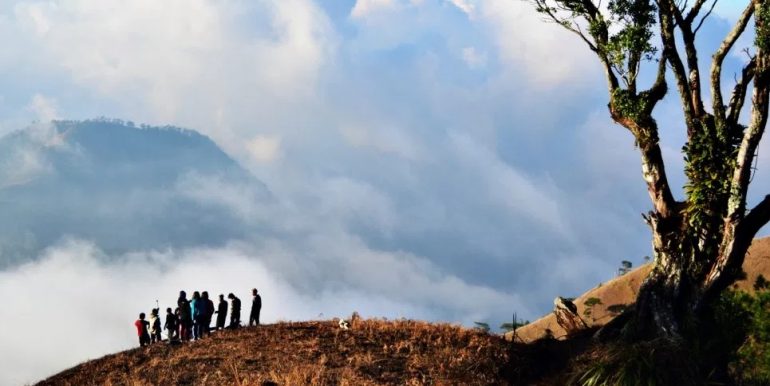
x: 439, y: 159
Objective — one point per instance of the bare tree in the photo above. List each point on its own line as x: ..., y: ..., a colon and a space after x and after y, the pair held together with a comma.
x: 699, y: 242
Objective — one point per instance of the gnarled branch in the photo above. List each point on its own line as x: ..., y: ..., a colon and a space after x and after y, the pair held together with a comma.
x: 718, y: 59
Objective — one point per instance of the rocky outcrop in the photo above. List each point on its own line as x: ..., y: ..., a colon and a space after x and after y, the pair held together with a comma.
x: 567, y: 316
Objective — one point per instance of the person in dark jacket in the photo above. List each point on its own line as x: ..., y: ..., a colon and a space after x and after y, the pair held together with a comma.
x: 155, y: 329
x: 208, y: 313
x: 171, y: 325
x: 235, y: 311
x: 221, y: 312
x: 141, y: 330
x: 256, y: 306
x: 185, y: 317
x: 196, y: 309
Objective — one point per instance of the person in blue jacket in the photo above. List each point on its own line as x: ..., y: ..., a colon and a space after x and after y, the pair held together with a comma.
x: 196, y: 310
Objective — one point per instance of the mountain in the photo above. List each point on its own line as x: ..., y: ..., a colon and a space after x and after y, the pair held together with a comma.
x: 122, y: 186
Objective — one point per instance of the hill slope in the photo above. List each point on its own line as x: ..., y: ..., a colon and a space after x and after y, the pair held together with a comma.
x: 371, y: 352
x: 621, y: 292
x: 121, y: 186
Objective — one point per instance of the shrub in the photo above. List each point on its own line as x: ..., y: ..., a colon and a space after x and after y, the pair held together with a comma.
x: 749, y: 317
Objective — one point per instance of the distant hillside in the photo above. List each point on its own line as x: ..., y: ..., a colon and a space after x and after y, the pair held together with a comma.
x: 319, y: 353
x: 122, y: 186
x: 620, y: 292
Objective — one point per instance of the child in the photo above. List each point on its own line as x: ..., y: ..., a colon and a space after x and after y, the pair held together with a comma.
x: 141, y: 330
x: 170, y: 325
x: 155, y: 326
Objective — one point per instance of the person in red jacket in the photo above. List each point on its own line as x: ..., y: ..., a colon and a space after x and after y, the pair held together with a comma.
x: 141, y: 330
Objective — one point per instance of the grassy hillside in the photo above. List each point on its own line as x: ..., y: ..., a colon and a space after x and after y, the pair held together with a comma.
x: 319, y: 353
x: 621, y: 291
x: 400, y: 352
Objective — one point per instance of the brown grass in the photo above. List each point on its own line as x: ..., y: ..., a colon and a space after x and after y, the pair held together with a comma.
x: 622, y: 291
x: 373, y: 352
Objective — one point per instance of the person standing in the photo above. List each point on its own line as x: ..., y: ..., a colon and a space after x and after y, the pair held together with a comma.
x: 208, y: 313
x: 221, y: 312
x: 235, y: 311
x: 256, y: 306
x: 170, y: 325
x: 141, y: 330
x: 196, y: 308
x: 155, y: 326
x: 185, y: 316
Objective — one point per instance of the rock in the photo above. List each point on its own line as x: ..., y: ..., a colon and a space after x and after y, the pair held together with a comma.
x: 567, y: 316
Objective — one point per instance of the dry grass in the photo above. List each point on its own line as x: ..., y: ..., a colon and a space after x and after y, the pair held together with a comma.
x: 622, y: 291
x: 373, y: 352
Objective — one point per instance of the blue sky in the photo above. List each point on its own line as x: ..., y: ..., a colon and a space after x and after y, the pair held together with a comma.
x: 463, y: 142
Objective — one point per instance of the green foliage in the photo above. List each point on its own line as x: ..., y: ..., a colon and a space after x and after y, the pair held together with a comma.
x: 590, y: 303
x: 710, y: 157
x: 762, y: 15
x: 745, y: 319
x: 761, y: 283
x: 659, y: 362
x: 624, y: 36
x: 625, y: 267
x: 631, y: 106
x: 482, y: 326
x: 510, y: 326
x: 632, y: 41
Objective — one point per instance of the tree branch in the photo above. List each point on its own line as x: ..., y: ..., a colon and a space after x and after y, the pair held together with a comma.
x: 590, y: 12
x: 696, y: 9
x: 718, y: 59
x: 738, y: 95
x: 730, y: 260
x: 666, y: 12
x: 700, y: 24
x: 757, y: 217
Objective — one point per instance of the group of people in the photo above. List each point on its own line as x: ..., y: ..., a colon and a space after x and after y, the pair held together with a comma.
x: 191, y: 319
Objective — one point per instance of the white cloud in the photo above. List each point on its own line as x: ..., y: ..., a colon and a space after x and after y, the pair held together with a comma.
x: 510, y: 188
x: 44, y: 108
x: 548, y: 54
x: 464, y: 5
x: 384, y: 138
x: 263, y: 148
x: 216, y: 67
x: 246, y: 200
x: 474, y: 59
x: 365, y: 8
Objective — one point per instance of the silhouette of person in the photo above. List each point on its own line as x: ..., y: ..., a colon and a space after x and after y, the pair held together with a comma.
x: 207, y: 313
x: 221, y: 312
x: 196, y: 309
x: 185, y: 316
x: 141, y: 330
x: 171, y: 325
x: 235, y: 311
x: 256, y: 306
x: 155, y: 326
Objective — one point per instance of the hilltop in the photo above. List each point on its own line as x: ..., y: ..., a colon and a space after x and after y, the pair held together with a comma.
x: 371, y: 352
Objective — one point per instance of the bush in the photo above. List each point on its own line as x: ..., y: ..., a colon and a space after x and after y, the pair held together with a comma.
x: 748, y: 315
